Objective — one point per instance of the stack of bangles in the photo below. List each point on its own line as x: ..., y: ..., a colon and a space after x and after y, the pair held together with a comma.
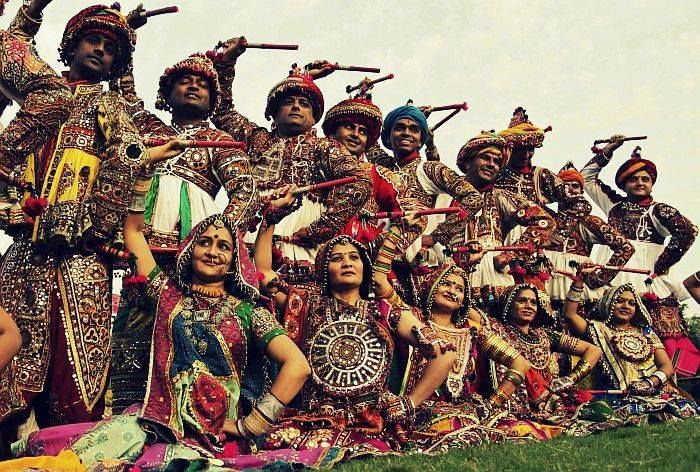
x: 386, y: 255
x: 661, y: 375
x: 575, y: 294
x: 391, y: 296
x: 515, y: 376
x: 498, y: 350
x: 142, y: 185
x: 264, y: 415
x: 580, y: 371
x: 498, y: 398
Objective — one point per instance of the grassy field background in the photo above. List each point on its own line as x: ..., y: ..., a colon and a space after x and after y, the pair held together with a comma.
x: 668, y: 447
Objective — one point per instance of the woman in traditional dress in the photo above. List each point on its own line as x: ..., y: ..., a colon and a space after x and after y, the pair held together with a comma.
x: 634, y: 363
x: 455, y: 411
x: 207, y: 325
x: 544, y: 397
x: 350, y: 339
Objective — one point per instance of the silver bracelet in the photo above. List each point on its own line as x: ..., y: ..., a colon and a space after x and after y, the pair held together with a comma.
x: 241, y: 429
x: 697, y: 279
x: 271, y: 407
x: 575, y: 296
x: 661, y: 375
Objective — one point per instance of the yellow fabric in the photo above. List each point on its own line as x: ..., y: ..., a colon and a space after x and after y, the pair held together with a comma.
x: 65, y: 461
x: 520, y: 130
x: 73, y: 160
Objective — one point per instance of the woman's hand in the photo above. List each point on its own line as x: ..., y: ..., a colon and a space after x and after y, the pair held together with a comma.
x: 231, y: 428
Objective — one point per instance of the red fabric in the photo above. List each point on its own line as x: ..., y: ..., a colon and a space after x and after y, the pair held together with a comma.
x: 409, y: 158
x: 537, y: 384
x: 686, y: 357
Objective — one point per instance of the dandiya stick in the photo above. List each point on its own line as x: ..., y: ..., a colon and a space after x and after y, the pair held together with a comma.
x: 163, y: 250
x: 456, y: 106
x: 373, y: 70
x: 324, y: 185
x: 369, y: 84
x: 196, y: 143
x: 286, y: 47
x: 607, y: 392
x: 526, y: 247
x: 445, y: 120
x: 400, y: 213
x: 631, y: 138
x: 160, y: 11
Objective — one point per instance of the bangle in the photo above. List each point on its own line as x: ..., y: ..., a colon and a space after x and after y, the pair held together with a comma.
x: 241, y: 429
x: 575, y: 288
x: 137, y: 203
x: 271, y: 407
x: 382, y: 267
x: 575, y: 296
x: 392, y: 298
x: 580, y: 371
x: 697, y: 279
x: 661, y: 375
x: 514, y: 376
x: 499, y: 397
x: 142, y: 184
x: 256, y: 423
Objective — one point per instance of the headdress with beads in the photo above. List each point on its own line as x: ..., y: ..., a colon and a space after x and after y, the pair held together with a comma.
x: 521, y: 132
x: 603, y: 309
x: 297, y: 83
x: 241, y: 279
x: 197, y: 64
x: 355, y: 110
x: 108, y: 22
x: 484, y: 140
x: 323, y: 258
x: 544, y: 315
x: 633, y: 165
x: 428, y: 289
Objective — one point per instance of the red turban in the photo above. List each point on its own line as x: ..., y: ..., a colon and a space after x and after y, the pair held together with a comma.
x: 631, y: 167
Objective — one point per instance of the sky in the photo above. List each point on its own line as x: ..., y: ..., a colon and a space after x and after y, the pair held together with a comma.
x: 588, y: 69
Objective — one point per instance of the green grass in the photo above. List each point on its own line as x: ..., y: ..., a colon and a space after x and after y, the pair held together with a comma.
x: 672, y: 447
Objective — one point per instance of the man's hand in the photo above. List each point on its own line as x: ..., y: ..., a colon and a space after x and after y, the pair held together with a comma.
x: 137, y: 17
x: 476, y: 252
x: 319, y: 69
x: 283, y: 197
x: 36, y: 7
x: 426, y: 110
x: 500, y: 262
x: 616, y: 141
x: 166, y: 151
x: 233, y: 48
x: 303, y: 238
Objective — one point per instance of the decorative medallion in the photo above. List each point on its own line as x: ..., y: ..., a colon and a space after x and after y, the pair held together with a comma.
x: 631, y: 346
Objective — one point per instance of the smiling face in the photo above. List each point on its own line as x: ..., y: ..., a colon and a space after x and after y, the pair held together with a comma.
x: 405, y: 137
x: 212, y: 255
x: 523, y: 309
x: 353, y: 136
x: 639, y: 185
x: 190, y: 95
x: 624, y: 308
x: 483, y: 168
x: 345, y: 267
x: 295, y: 116
x: 449, y: 294
x: 93, y: 57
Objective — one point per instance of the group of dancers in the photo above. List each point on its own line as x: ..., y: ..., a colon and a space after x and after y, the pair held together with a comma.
x: 351, y: 299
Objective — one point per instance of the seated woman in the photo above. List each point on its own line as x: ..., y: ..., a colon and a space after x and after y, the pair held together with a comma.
x: 349, y: 339
x: 206, y: 321
x: 455, y: 405
x: 634, y: 361
x: 544, y: 397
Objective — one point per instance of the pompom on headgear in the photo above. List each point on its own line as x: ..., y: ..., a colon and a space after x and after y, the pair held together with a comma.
x: 521, y: 132
x: 197, y: 64
x: 355, y: 110
x: 106, y: 21
x: 633, y: 165
x: 297, y: 83
x: 484, y: 140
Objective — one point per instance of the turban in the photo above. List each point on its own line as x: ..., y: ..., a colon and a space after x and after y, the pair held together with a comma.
x: 106, y: 21
x: 569, y: 174
x: 297, y: 83
x: 631, y: 167
x: 355, y: 110
x: 406, y: 111
x: 485, y: 140
x: 196, y: 64
x: 521, y: 132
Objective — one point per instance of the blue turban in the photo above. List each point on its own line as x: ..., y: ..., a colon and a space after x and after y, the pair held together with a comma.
x: 407, y: 111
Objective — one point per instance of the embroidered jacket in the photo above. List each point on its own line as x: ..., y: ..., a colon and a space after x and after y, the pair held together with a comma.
x: 650, y: 222
x: 301, y: 160
x: 537, y: 184
x: 209, y: 169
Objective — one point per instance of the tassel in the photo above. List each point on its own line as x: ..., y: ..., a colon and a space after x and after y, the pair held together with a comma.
x: 35, y: 206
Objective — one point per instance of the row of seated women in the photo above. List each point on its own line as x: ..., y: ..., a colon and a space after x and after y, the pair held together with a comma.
x: 357, y: 372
